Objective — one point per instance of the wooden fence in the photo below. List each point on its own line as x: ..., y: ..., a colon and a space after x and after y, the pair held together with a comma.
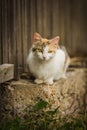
x: 19, y: 19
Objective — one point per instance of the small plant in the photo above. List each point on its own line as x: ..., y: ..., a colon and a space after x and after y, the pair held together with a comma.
x: 40, y: 119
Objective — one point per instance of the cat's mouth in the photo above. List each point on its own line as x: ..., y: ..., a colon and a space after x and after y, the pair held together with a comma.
x: 45, y: 59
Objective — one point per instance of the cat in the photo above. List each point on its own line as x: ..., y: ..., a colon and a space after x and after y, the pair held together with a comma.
x: 47, y: 61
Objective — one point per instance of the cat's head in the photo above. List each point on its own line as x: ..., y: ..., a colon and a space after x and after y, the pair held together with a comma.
x: 44, y: 49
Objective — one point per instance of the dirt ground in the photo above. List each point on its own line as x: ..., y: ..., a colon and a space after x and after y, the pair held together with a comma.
x: 69, y: 95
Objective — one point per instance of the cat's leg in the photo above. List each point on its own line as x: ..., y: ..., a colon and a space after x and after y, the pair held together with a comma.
x: 64, y: 76
x: 58, y: 75
x: 38, y: 81
x: 49, y: 81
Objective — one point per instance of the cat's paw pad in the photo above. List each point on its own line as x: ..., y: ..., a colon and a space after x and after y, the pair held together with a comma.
x: 38, y: 81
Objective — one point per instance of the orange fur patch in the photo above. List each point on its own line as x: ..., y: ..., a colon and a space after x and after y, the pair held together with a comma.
x: 52, y: 47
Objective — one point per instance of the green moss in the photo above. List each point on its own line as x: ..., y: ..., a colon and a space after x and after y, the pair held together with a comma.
x: 38, y: 119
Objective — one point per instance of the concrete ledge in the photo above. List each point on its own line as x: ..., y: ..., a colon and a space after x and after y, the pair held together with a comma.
x: 67, y: 94
x: 6, y: 72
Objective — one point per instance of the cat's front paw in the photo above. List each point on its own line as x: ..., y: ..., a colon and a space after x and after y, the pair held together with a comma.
x: 49, y: 81
x: 38, y: 81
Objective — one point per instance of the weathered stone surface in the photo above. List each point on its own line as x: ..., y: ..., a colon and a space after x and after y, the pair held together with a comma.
x: 70, y: 94
x: 6, y: 72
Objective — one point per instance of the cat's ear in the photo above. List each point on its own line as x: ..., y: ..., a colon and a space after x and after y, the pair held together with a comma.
x: 37, y: 37
x: 55, y: 41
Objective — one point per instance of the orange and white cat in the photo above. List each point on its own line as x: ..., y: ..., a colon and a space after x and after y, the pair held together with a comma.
x: 46, y: 60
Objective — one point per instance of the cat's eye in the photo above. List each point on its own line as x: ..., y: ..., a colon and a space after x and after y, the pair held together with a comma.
x: 50, y: 51
x: 33, y: 49
x: 39, y: 50
x: 48, y: 42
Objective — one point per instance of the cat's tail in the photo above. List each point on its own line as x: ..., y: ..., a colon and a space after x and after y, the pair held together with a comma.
x: 67, y: 58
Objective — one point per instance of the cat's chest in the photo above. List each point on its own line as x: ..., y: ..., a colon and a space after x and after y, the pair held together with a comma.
x: 43, y: 70
x: 42, y: 65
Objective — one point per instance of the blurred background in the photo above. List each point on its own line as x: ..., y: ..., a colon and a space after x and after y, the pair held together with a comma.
x: 19, y: 19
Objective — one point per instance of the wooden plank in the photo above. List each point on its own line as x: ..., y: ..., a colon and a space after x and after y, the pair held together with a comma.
x: 10, y: 32
x: 74, y: 31
x: 29, y: 29
x: 39, y: 16
x: 23, y: 29
x: 6, y: 38
x: 32, y: 18
x: 81, y: 26
x: 6, y: 72
x: 50, y: 18
x: 4, y: 32
x: 0, y: 32
x: 19, y: 39
x: 62, y: 20
x: 84, y: 14
x: 45, y: 19
x: 67, y: 32
x: 15, y: 38
x: 25, y: 43
x: 56, y: 18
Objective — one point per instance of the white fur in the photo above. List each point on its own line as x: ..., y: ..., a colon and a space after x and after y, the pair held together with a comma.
x: 47, y: 70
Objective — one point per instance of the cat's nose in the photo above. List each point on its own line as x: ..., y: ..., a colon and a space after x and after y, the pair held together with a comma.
x: 44, y: 57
